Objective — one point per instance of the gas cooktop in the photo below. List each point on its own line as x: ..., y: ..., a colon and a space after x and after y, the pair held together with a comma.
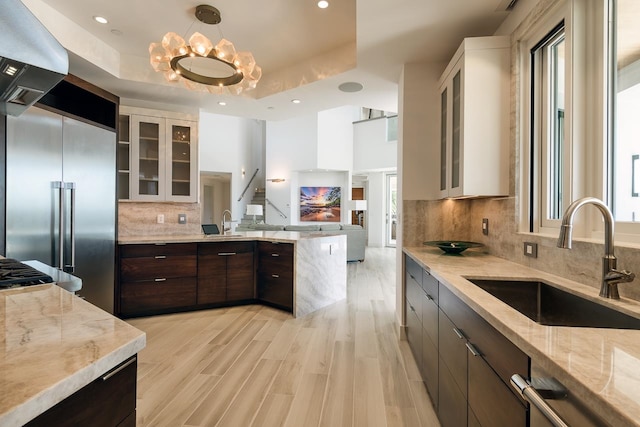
x: 15, y: 273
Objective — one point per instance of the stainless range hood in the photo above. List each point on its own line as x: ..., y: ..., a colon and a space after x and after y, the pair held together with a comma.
x: 32, y: 61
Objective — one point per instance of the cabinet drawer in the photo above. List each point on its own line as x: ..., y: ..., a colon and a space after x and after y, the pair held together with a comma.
x: 430, y: 285
x: 269, y: 249
x: 106, y: 402
x: 413, y: 269
x: 415, y: 294
x: 453, y: 351
x: 503, y: 356
x: 145, y: 296
x: 225, y: 247
x: 158, y: 267
x: 452, y: 404
x: 430, y: 317
x: 430, y: 367
x: 414, y: 336
x: 487, y: 392
x: 276, y: 289
x: 132, y: 251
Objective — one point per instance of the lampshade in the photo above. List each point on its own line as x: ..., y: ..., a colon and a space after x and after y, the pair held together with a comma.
x: 358, y: 205
x: 254, y: 209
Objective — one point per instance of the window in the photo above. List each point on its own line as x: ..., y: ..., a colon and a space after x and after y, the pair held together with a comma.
x: 624, y: 140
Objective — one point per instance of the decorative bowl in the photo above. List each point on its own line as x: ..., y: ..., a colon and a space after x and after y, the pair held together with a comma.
x: 453, y: 247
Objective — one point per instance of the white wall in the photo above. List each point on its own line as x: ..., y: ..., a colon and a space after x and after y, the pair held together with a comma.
x: 371, y: 151
x: 376, y: 209
x: 232, y: 145
x: 335, y: 138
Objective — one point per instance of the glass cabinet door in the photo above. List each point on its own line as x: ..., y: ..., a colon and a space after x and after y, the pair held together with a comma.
x: 456, y: 131
x: 181, y: 165
x: 443, y: 141
x: 124, y: 157
x: 148, y: 135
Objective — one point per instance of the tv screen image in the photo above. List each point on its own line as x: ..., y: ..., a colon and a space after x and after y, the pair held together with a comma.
x: 320, y: 204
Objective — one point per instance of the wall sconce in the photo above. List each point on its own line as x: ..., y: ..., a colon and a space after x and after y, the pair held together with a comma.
x: 276, y: 179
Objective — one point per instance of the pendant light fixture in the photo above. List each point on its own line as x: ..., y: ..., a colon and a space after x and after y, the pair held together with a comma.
x: 202, y: 66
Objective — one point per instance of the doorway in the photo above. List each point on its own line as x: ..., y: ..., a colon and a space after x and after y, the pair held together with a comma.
x: 215, y: 189
x: 391, y: 209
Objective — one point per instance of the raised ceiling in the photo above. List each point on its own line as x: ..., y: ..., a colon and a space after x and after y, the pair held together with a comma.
x: 305, y: 52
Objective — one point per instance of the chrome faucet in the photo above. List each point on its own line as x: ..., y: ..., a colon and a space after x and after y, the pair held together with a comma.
x: 610, y: 275
x: 224, y: 223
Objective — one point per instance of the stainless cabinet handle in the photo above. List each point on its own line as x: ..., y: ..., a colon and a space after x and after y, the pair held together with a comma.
x: 160, y: 280
x: 529, y: 393
x: 412, y: 309
x: 160, y: 257
x: 109, y: 374
x: 458, y: 333
x: 226, y: 253
x: 275, y: 254
x: 429, y: 297
x: 472, y: 349
x: 275, y: 276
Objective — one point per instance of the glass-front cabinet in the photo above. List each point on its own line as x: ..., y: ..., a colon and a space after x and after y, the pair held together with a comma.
x: 474, y: 120
x: 162, y: 157
x: 124, y: 157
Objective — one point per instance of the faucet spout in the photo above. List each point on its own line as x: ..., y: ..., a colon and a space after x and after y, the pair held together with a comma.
x: 224, y: 222
x: 610, y: 276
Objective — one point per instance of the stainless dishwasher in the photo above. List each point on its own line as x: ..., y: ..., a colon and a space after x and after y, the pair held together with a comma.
x: 551, y: 404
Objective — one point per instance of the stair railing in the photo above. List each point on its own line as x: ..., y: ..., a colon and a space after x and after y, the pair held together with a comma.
x: 276, y: 208
x: 248, y: 184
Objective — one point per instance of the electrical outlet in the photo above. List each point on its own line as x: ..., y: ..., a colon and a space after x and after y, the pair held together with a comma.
x: 485, y: 226
x: 182, y: 218
x: 160, y: 219
x: 531, y: 249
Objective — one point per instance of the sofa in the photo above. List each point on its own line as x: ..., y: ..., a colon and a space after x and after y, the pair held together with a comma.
x: 356, y: 235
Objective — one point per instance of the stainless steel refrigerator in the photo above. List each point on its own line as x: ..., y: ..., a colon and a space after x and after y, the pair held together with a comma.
x: 61, y: 198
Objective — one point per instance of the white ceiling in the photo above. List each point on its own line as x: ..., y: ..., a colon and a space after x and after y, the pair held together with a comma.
x: 305, y: 52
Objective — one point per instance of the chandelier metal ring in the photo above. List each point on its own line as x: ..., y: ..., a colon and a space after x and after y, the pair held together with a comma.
x: 233, y: 79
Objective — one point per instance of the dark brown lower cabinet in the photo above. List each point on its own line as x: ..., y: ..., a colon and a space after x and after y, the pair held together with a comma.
x: 226, y: 272
x: 275, y: 274
x: 452, y: 403
x: 109, y: 401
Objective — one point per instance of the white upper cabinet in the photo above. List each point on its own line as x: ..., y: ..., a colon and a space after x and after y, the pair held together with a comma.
x: 162, y: 157
x: 474, y: 120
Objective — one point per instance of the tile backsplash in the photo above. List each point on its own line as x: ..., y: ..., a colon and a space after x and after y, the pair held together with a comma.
x: 141, y: 218
x: 462, y: 220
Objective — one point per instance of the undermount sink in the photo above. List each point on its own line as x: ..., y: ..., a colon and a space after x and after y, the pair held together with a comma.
x: 548, y: 305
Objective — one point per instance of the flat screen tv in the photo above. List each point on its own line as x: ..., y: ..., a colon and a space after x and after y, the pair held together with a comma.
x: 320, y: 204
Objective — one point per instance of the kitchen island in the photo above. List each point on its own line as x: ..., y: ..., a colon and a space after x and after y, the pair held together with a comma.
x: 186, y: 268
x: 599, y: 366
x: 54, y: 345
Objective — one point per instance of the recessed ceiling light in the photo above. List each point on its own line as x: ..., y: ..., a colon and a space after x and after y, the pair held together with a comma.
x: 323, y: 4
x: 296, y: 101
x: 222, y: 103
x: 100, y: 19
x: 350, y: 87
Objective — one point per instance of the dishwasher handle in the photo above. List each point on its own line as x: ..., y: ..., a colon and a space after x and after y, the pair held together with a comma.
x: 529, y: 393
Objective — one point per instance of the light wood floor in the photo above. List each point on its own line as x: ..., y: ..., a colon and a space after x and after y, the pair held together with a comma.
x: 257, y: 366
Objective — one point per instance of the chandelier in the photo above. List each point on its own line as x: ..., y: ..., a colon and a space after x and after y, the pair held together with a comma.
x: 202, y: 66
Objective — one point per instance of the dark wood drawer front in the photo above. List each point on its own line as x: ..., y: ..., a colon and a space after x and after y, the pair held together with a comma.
x: 212, y: 265
x: 430, y: 367
x: 240, y: 277
x: 414, y: 336
x: 276, y: 289
x: 415, y: 294
x: 452, y: 404
x: 106, y: 402
x: 224, y: 247
x: 504, y: 357
x: 490, y: 399
x: 132, y: 269
x: 430, y: 317
x: 139, y: 297
x: 135, y: 251
x: 267, y: 249
x: 413, y: 270
x: 430, y: 285
x: 454, y: 351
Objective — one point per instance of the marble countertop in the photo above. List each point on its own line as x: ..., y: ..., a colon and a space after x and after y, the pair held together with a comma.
x: 600, y: 366
x: 271, y: 236
x: 53, y: 343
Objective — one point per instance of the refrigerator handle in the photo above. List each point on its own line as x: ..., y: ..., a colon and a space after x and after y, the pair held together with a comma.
x: 59, y: 262
x: 71, y: 186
